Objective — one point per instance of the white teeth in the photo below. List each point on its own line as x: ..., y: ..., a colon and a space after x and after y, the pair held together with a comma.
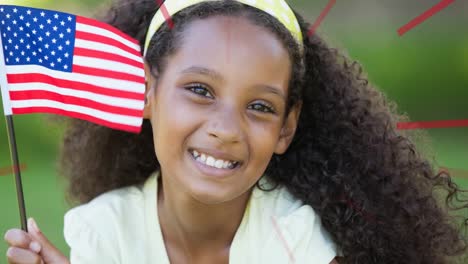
x: 211, y: 161
x: 219, y: 164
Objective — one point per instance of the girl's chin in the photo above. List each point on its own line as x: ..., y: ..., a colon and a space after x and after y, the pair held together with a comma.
x: 211, y: 196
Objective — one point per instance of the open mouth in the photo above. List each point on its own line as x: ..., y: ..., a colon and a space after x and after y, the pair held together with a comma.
x: 211, y: 161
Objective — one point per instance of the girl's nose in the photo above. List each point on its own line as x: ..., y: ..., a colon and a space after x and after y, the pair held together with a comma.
x: 225, y: 126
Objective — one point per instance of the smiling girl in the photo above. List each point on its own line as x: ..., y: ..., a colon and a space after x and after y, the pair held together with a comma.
x: 260, y: 144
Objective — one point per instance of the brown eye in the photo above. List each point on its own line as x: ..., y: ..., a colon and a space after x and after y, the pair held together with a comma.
x: 200, y: 90
x: 261, y: 107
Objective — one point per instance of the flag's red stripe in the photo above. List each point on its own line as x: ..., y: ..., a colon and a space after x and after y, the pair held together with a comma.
x: 107, y: 73
x: 67, y: 99
x: 107, y: 56
x: 433, y: 124
x: 92, y: 22
x: 106, y: 40
x: 81, y: 86
x: 93, y: 119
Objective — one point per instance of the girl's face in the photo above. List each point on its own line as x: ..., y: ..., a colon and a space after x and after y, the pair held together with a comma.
x: 218, y: 110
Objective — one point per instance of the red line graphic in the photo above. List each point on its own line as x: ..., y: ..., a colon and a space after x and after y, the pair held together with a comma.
x: 321, y: 18
x: 457, y: 173
x: 424, y: 16
x: 11, y: 169
x: 433, y: 124
x: 165, y: 13
x: 283, y: 240
x: 367, y: 216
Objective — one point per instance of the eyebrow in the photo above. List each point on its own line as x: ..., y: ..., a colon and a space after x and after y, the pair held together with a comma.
x: 217, y: 76
x: 203, y: 71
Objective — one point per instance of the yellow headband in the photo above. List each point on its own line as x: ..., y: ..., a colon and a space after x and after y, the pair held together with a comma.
x: 277, y: 8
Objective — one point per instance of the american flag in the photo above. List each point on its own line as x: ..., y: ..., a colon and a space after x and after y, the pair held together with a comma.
x: 54, y: 62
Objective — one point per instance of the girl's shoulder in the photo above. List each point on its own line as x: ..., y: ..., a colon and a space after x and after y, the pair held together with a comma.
x: 282, y: 228
x: 101, y: 228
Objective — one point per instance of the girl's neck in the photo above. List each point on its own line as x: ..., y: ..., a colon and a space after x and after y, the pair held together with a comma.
x: 196, y: 227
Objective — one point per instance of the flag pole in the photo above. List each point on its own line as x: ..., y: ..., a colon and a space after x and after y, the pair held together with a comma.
x: 12, y: 138
x: 16, y: 166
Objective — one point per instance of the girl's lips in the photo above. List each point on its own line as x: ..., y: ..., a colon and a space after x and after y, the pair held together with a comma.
x: 212, y: 171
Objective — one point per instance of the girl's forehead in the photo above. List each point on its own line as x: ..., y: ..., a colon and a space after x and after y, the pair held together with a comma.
x: 232, y: 39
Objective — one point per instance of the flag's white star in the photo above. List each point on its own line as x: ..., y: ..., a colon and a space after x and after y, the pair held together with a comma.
x: 61, y: 35
x: 68, y: 30
x: 41, y: 26
x: 55, y: 28
x: 69, y: 18
x: 49, y: 21
x: 21, y: 28
x: 10, y: 41
x: 29, y: 12
x: 28, y: 59
x: 40, y: 38
x: 28, y: 24
x: 62, y: 23
x: 22, y: 53
x: 11, y: 53
x: 15, y: 34
x: 14, y: 22
x: 34, y: 31
x: 42, y: 14
x: 7, y: 15
x: 53, y: 53
x: 46, y: 57
x: 1, y: 9
x: 40, y: 60
x: 17, y: 59
x: 3, y: 22
x: 40, y: 50
x: 34, y: 53
x: 28, y: 46
x: 47, y: 33
x: 52, y: 64
x: 60, y: 47
x: 46, y: 46
x: 66, y: 55
x: 15, y: 10
x: 65, y: 67
x: 56, y: 16
x: 67, y: 42
x: 59, y: 59
x: 16, y: 47
x: 21, y: 40
x: 35, y: 19
x: 8, y: 28
x: 54, y: 41
x: 21, y: 17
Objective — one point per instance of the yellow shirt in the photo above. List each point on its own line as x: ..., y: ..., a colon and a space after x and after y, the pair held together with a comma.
x: 122, y: 226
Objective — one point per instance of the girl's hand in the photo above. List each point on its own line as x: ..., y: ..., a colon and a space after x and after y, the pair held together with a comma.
x: 32, y: 247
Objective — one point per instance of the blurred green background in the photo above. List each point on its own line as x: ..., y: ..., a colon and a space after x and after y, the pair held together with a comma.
x: 425, y: 71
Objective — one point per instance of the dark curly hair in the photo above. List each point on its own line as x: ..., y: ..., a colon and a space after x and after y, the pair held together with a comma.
x: 379, y: 198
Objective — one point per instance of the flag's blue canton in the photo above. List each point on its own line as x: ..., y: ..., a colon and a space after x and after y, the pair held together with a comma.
x: 36, y: 36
